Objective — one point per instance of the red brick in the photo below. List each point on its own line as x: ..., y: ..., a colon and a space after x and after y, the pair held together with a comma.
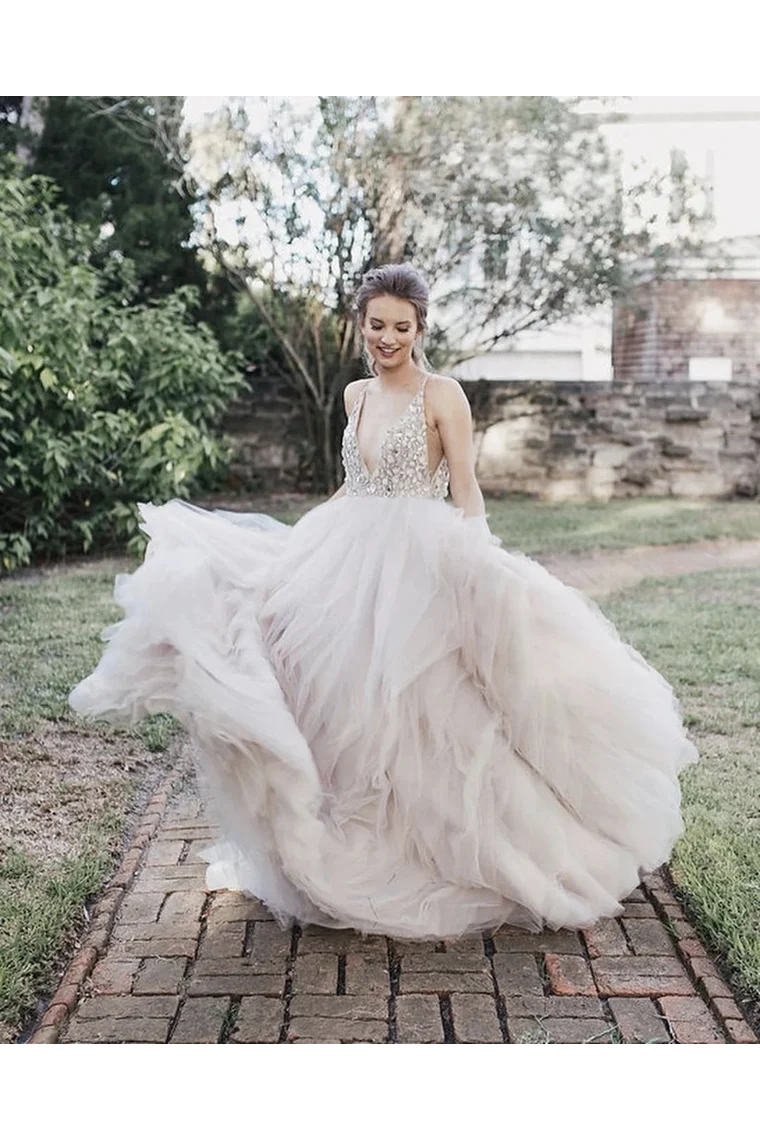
x: 154, y: 948
x: 80, y: 966
x: 517, y: 974
x: 141, y: 908
x: 569, y: 975
x: 475, y: 1019
x: 448, y: 963
x: 715, y: 987
x: 259, y: 1021
x: 97, y: 939
x: 237, y: 985
x: 683, y: 1008
x: 144, y: 931
x: 55, y: 1016
x: 640, y: 910
x: 606, y: 939
x: 47, y: 1035
x: 418, y: 1019
x: 685, y: 932
x: 726, y: 1008
x: 641, y: 976
x: 558, y: 1031
x: 124, y: 1030
x: 182, y: 906
x: 224, y: 941
x: 109, y: 903
x: 442, y: 982
x: 512, y: 941
x: 531, y: 1005
x: 98, y: 1008
x: 269, y: 941
x: 692, y: 948
x: 164, y: 853
x: 112, y: 976
x: 333, y: 1029
x: 320, y: 940
x: 218, y: 967
x: 648, y: 936
x: 167, y: 879
x: 200, y: 1021
x: 740, y: 1033
x: 346, y: 1007
x: 67, y: 996
x: 160, y: 976
x: 639, y: 1021
x: 315, y: 974
x: 366, y: 974
x: 703, y: 1032
x: 227, y: 906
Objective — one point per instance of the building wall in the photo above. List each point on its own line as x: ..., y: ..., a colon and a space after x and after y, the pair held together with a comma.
x: 662, y: 326
x: 619, y: 439
x: 557, y: 441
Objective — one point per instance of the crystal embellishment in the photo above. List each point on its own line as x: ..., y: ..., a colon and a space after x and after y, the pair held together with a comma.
x: 403, y: 465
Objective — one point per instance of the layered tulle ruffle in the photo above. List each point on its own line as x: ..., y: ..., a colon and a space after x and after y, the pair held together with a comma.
x: 403, y: 727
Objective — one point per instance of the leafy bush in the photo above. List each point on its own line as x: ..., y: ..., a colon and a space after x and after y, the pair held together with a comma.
x: 103, y: 403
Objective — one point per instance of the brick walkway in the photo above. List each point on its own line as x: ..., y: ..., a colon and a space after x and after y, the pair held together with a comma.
x: 177, y: 964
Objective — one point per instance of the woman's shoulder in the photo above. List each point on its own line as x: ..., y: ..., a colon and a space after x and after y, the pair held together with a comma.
x: 445, y: 393
x: 351, y: 393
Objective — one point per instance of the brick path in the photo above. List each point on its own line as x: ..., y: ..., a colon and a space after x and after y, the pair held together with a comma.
x: 177, y: 964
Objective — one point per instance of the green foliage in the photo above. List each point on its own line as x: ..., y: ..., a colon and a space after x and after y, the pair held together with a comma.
x: 103, y: 403
x: 103, y: 154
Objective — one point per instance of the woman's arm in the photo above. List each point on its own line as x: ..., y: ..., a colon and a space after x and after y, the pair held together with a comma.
x: 453, y: 419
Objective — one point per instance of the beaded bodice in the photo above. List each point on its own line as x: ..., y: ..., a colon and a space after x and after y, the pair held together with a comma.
x: 403, y: 466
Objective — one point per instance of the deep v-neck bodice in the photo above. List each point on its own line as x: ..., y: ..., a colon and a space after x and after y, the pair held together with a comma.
x: 402, y: 467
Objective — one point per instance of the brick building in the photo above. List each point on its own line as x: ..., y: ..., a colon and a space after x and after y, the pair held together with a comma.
x: 700, y: 322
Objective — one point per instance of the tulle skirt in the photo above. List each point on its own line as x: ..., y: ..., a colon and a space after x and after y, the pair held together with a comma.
x: 402, y: 727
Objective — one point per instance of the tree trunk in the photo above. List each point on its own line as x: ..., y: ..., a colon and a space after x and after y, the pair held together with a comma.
x: 391, y: 231
x: 32, y: 124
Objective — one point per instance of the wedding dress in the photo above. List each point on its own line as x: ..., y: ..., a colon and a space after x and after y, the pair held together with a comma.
x: 403, y: 727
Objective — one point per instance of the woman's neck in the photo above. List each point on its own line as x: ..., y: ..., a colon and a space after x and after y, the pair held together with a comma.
x: 400, y: 380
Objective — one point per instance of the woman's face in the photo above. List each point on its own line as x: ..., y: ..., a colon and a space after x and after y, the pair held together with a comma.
x: 390, y: 328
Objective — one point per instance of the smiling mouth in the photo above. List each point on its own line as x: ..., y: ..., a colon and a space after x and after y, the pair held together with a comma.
x: 387, y: 351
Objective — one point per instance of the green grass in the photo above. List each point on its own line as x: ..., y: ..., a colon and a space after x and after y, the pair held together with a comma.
x: 553, y: 528
x: 68, y: 785
x: 37, y: 906
x: 557, y: 528
x: 49, y: 640
x: 703, y: 633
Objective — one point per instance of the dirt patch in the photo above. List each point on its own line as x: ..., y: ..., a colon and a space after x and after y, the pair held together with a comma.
x: 56, y: 783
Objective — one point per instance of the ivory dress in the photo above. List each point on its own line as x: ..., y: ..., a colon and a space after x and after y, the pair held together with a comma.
x: 403, y: 727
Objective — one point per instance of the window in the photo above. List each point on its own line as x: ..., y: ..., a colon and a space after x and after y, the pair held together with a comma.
x: 710, y: 368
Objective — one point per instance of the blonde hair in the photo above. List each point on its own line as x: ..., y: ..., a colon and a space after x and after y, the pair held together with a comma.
x: 406, y: 284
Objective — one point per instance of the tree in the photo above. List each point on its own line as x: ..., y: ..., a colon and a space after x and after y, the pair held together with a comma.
x: 511, y: 206
x: 119, y: 163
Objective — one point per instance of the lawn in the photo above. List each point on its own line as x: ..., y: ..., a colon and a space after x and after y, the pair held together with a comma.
x: 558, y: 528
x: 703, y: 632
x: 68, y: 790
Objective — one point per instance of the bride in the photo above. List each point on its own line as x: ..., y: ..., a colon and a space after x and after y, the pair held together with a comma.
x: 402, y: 727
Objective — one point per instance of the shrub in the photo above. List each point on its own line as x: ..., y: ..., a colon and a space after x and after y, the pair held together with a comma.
x: 103, y: 403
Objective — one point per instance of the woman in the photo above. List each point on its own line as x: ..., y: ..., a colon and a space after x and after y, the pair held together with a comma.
x: 404, y: 728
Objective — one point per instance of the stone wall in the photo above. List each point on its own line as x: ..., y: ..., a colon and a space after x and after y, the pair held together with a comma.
x: 268, y: 430
x: 554, y: 440
x: 561, y: 441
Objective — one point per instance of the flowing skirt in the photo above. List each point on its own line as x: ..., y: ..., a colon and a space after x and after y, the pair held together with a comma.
x: 403, y: 727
